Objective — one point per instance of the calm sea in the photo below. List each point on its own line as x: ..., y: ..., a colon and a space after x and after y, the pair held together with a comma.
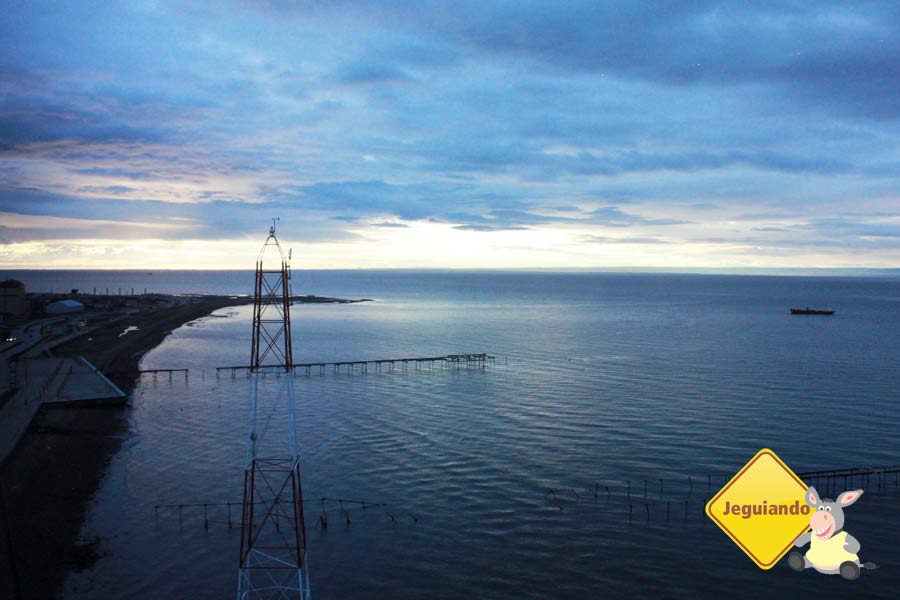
x: 601, y: 379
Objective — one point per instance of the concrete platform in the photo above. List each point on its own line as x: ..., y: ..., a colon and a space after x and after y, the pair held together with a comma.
x: 52, y: 382
x: 42, y: 378
x: 15, y: 417
x: 85, y: 384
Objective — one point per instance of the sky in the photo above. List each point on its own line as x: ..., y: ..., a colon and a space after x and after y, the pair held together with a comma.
x: 461, y: 134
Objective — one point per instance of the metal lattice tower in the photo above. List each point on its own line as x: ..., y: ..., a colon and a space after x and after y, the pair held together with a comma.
x: 273, y: 560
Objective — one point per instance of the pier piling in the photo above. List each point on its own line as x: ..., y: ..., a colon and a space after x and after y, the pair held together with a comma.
x: 169, y: 372
x: 457, y: 361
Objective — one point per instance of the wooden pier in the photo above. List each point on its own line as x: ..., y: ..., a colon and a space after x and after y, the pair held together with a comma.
x: 156, y: 372
x: 350, y: 367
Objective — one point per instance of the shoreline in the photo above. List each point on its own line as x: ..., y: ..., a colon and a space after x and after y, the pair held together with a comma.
x: 51, y: 477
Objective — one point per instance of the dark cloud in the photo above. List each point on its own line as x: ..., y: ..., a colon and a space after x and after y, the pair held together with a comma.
x: 117, y: 219
x: 366, y: 73
x: 613, y: 216
x: 19, y: 126
x: 115, y: 172
x: 390, y: 224
x: 490, y: 228
x: 602, y: 239
x: 112, y: 190
x: 831, y: 54
x: 854, y: 228
x: 486, y: 156
x: 774, y: 244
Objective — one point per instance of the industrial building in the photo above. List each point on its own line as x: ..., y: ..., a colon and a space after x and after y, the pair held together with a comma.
x: 12, y: 300
x: 63, y: 307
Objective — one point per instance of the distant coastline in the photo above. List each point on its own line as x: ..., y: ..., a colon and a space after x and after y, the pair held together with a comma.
x: 119, y: 356
x: 7, y: 272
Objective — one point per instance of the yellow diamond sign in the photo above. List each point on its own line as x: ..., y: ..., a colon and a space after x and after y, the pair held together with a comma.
x: 762, y: 508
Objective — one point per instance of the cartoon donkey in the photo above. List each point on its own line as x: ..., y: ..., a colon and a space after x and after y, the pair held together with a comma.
x: 831, y: 549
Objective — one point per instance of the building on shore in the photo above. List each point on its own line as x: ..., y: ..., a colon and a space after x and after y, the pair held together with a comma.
x: 63, y: 307
x: 12, y: 300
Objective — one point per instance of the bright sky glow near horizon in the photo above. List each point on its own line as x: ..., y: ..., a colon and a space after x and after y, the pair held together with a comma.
x: 157, y: 134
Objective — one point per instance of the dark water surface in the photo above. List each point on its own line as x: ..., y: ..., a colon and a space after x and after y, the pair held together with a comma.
x: 601, y: 378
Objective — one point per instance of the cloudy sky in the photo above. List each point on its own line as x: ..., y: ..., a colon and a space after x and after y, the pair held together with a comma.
x: 450, y: 134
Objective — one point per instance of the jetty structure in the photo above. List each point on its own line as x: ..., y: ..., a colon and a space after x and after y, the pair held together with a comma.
x: 273, y: 554
x: 470, y: 360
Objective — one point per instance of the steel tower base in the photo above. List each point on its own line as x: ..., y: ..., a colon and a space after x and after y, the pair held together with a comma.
x: 287, y: 584
x: 273, y: 561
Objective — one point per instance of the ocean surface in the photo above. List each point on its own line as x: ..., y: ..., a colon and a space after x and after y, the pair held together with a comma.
x: 601, y: 382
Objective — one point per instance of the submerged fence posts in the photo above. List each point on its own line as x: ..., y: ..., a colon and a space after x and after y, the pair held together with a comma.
x: 828, y: 483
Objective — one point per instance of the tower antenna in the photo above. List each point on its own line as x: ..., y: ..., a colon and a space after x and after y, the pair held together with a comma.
x: 273, y: 559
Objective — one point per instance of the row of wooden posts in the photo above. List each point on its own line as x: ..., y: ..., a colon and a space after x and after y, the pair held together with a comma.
x: 350, y: 366
x: 827, y: 482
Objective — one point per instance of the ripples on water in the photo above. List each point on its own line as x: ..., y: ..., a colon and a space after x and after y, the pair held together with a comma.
x: 609, y: 378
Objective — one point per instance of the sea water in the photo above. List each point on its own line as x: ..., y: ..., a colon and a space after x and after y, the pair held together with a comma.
x: 602, y: 382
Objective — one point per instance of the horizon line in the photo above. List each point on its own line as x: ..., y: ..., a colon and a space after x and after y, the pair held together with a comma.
x: 624, y: 269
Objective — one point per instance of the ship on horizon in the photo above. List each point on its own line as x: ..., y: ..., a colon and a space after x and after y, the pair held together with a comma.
x: 810, y: 311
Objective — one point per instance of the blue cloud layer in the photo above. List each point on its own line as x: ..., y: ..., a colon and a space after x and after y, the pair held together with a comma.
x: 488, y: 116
